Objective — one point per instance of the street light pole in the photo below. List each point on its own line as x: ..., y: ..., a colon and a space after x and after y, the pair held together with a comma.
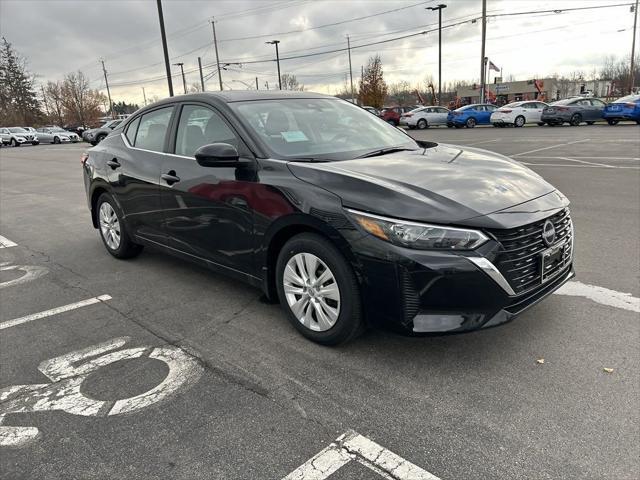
x: 633, y: 49
x: 215, y: 44
x: 184, y: 83
x: 353, y: 99
x: 482, y: 57
x: 164, y: 48
x: 439, y: 9
x: 276, y: 42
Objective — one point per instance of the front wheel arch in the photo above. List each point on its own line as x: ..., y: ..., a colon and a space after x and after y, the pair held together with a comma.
x: 287, y: 228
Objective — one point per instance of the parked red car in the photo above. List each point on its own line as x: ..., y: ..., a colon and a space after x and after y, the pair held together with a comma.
x: 392, y: 114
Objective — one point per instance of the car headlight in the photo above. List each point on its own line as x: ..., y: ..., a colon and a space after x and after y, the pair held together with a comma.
x: 420, y: 236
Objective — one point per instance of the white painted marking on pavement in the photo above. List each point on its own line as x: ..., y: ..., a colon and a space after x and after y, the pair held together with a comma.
x: 600, y: 295
x: 573, y: 165
x: 635, y: 159
x: 31, y: 272
x: 68, y: 374
x: 6, y: 243
x: 550, y: 147
x: 352, y: 446
x: 53, y: 311
x: 484, y: 141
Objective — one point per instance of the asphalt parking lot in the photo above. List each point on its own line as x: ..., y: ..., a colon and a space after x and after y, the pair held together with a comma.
x: 166, y: 370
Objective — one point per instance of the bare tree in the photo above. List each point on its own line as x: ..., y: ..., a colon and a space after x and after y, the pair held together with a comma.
x: 80, y: 102
x: 53, y: 99
x: 290, y: 82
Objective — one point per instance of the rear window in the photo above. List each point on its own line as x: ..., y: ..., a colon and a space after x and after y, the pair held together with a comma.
x: 628, y: 98
x: 152, y: 129
x: 132, y: 128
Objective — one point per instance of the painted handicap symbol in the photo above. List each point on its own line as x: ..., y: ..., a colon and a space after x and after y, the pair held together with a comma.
x: 69, y: 371
x: 30, y: 272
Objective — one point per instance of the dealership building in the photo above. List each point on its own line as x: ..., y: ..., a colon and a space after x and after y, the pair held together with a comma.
x: 545, y: 89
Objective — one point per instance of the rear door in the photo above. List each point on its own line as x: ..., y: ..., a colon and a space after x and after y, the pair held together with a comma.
x: 597, y: 106
x: 208, y: 210
x: 440, y: 116
x: 134, y: 172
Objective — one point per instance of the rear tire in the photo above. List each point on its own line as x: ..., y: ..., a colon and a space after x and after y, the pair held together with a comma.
x: 613, y: 122
x: 541, y: 124
x: 590, y: 123
x: 576, y: 119
x: 113, y: 230
x: 294, y: 267
x: 422, y: 124
x: 471, y: 123
x: 519, y: 121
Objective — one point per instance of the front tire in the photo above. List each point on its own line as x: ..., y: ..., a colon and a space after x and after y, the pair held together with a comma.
x: 590, y: 123
x: 318, y: 290
x: 112, y: 229
x: 541, y: 124
x: 14, y: 143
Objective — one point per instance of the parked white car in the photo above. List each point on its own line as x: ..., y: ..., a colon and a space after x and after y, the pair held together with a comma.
x: 518, y: 114
x: 16, y: 136
x: 425, y: 117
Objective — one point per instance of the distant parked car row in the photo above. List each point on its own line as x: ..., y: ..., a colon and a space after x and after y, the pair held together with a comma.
x: 574, y: 111
x: 16, y: 136
x: 95, y: 135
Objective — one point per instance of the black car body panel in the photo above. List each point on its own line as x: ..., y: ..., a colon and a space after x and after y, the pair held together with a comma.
x: 235, y: 219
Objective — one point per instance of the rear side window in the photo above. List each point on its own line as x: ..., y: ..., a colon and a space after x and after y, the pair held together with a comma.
x: 200, y: 126
x: 132, y: 128
x: 152, y: 129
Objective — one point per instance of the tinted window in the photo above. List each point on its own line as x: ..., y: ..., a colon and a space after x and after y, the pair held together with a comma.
x: 132, y: 128
x: 597, y: 103
x: 153, y: 129
x: 490, y: 108
x: 200, y: 126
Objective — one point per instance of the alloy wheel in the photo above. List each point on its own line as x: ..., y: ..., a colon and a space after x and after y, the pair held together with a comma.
x: 520, y: 121
x: 109, y: 226
x: 311, y: 291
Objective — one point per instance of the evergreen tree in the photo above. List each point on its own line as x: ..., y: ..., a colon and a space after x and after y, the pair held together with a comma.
x: 18, y: 100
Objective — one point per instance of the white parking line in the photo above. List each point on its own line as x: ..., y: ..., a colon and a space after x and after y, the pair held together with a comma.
x: 601, y: 295
x: 573, y: 165
x: 53, y: 311
x: 550, y: 147
x: 634, y: 159
x: 353, y: 446
x: 484, y: 141
x: 6, y: 243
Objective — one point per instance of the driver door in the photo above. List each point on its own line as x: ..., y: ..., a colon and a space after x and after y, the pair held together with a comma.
x: 208, y: 211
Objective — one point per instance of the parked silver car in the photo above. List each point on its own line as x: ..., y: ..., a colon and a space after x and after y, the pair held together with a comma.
x: 96, y: 135
x: 425, y: 117
x: 574, y: 111
x: 16, y: 136
x: 56, y: 135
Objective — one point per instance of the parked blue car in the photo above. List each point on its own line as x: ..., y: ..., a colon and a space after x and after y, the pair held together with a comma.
x: 471, y: 115
x: 625, y: 108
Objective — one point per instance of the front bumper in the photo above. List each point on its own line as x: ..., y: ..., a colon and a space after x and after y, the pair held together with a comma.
x: 418, y: 292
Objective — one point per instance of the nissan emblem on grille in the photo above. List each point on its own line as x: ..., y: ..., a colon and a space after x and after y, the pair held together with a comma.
x: 548, y: 232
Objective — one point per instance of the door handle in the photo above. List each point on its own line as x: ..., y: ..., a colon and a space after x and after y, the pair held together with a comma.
x: 170, y: 177
x: 114, y: 164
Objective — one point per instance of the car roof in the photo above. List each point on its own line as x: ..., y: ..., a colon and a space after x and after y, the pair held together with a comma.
x: 231, y: 96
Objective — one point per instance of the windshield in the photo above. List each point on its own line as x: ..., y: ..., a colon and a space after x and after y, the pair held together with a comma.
x: 58, y: 129
x: 319, y: 128
x: 628, y: 98
x: 17, y: 130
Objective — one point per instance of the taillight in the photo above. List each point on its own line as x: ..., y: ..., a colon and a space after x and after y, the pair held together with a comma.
x: 562, y: 109
x: 84, y: 157
x: 505, y: 110
x: 630, y: 105
x: 408, y: 115
x: 457, y: 113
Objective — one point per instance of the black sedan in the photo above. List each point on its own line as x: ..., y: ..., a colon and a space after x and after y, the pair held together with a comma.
x: 344, y: 219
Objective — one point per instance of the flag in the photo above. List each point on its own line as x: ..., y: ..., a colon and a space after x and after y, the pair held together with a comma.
x: 492, y: 66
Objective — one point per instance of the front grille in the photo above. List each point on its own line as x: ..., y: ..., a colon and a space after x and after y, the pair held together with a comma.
x: 520, y: 262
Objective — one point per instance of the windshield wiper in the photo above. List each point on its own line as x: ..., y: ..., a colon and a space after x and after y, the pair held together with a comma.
x: 384, y: 151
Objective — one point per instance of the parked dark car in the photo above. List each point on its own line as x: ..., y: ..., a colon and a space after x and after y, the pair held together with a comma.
x: 96, y: 135
x: 471, y: 115
x: 625, y: 108
x: 392, y: 114
x: 573, y: 111
x: 348, y: 226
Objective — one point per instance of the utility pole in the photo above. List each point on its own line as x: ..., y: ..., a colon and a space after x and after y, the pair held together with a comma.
x: 257, y: 84
x: 353, y: 99
x: 144, y: 95
x: 184, y: 83
x: 484, y: 40
x: 215, y: 44
x: 276, y: 42
x: 633, y: 49
x: 106, y: 82
x: 44, y: 101
x: 164, y: 48
x: 201, y: 77
x: 439, y: 9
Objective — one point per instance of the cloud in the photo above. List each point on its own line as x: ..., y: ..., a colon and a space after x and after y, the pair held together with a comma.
x: 58, y: 36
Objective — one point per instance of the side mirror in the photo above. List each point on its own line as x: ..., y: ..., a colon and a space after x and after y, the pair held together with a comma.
x: 218, y: 155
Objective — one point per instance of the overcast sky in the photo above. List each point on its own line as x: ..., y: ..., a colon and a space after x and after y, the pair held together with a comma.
x: 59, y: 36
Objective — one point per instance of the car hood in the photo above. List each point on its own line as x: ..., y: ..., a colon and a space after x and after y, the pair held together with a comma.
x: 444, y: 184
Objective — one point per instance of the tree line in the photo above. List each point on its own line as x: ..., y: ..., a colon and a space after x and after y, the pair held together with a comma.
x: 70, y: 101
